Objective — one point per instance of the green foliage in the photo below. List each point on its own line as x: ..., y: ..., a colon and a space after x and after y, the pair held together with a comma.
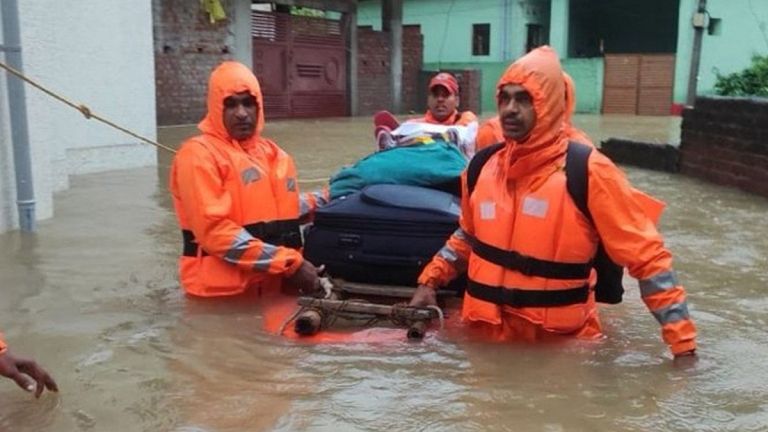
x: 752, y: 81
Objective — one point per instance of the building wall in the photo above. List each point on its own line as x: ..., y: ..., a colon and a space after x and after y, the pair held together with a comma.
x: 724, y: 141
x: 587, y: 74
x: 447, y: 31
x: 187, y: 48
x: 743, y: 32
x: 106, y: 65
x: 622, y: 27
x: 447, y: 26
x: 373, y: 69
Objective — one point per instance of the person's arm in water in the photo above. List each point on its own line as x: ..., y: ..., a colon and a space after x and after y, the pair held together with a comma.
x: 451, y: 260
x: 631, y: 240
x: 26, y: 373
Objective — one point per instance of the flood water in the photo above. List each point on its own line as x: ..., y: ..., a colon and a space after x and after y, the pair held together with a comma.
x: 94, y: 297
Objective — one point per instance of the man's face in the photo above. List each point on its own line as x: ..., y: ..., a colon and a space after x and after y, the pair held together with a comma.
x: 516, y: 112
x: 240, y: 112
x: 441, y: 102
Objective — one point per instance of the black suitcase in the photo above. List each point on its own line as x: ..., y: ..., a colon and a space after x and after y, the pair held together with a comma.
x: 384, y: 234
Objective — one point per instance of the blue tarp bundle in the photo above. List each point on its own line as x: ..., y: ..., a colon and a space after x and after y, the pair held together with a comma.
x: 434, y: 163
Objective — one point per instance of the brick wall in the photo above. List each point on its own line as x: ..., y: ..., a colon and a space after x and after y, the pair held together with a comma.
x: 187, y: 48
x: 655, y: 156
x: 725, y: 140
x: 373, y: 70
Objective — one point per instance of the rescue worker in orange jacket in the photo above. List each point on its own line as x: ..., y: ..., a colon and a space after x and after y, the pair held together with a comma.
x: 442, y: 103
x: 490, y: 131
x: 520, y: 210
x: 237, y: 198
x: 20, y: 370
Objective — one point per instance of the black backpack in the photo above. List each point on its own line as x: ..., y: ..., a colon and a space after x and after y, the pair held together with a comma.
x: 609, y: 288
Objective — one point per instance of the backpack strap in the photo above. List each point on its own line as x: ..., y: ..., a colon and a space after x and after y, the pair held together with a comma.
x: 577, y: 175
x: 609, y: 288
x: 477, y: 163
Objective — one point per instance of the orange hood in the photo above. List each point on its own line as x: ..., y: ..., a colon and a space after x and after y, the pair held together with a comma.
x: 570, y: 99
x: 539, y: 72
x: 227, y: 79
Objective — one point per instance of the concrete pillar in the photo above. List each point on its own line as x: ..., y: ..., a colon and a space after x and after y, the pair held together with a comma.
x: 350, y: 23
x: 517, y: 29
x: 698, y: 21
x: 505, y: 16
x: 241, y: 29
x: 392, y: 22
x: 558, y: 26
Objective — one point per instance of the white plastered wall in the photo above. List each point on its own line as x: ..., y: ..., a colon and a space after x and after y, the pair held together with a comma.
x: 95, y: 52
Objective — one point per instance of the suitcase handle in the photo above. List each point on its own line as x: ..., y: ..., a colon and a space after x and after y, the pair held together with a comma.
x: 385, y: 260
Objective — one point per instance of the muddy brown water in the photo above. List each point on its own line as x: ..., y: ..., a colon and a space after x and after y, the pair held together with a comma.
x: 94, y: 297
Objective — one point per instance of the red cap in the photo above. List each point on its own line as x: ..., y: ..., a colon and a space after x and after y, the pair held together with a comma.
x: 446, y: 80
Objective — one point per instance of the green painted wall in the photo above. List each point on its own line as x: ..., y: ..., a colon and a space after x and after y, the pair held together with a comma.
x: 559, y: 25
x: 743, y: 32
x: 447, y: 26
x: 587, y: 74
x: 447, y: 30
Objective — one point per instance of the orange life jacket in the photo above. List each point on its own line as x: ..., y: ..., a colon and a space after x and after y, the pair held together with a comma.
x: 521, y: 210
x: 609, y: 287
x: 551, y: 267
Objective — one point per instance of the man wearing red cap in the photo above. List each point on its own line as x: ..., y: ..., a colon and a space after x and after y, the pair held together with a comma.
x: 442, y: 100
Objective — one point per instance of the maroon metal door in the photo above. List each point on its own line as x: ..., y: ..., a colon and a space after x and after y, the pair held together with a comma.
x: 301, y: 65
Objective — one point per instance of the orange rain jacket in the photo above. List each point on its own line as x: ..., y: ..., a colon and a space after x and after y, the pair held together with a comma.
x: 490, y: 131
x: 521, y: 209
x: 237, y: 202
x: 3, y: 346
x: 457, y: 118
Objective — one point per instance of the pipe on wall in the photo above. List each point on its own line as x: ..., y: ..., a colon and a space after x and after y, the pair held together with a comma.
x: 25, y: 193
x: 505, y: 18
